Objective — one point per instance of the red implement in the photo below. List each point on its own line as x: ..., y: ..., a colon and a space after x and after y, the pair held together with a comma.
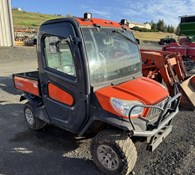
x: 168, y: 67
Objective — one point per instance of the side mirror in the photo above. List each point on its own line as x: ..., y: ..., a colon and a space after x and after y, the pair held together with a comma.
x: 58, y: 45
x: 63, y: 45
x: 53, y: 44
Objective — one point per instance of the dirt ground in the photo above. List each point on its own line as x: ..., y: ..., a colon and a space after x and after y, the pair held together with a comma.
x: 55, y: 151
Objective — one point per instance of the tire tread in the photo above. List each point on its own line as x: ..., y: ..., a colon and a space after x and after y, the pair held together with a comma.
x: 124, y: 145
x: 39, y: 124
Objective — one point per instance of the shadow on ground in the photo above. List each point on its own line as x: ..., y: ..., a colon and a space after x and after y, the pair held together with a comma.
x: 49, y: 151
x: 6, y: 84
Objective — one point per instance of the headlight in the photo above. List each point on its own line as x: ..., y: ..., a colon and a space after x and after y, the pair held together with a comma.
x: 123, y: 107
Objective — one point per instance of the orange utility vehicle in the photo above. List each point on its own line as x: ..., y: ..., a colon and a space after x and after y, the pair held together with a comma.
x: 90, y: 80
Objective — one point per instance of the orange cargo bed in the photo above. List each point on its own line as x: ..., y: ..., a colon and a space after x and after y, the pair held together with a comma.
x: 27, y: 82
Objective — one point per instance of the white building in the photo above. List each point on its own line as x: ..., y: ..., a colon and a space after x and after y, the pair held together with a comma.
x: 140, y: 25
x: 6, y: 24
x: 18, y: 9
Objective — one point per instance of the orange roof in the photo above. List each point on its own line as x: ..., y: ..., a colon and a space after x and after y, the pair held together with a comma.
x: 98, y: 22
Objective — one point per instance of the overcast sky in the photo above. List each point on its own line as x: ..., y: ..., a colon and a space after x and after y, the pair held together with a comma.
x: 133, y: 10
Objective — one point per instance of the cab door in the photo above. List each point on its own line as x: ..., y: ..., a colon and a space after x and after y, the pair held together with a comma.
x: 63, y: 82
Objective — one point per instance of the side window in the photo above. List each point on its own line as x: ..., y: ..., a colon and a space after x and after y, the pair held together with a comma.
x: 58, y: 55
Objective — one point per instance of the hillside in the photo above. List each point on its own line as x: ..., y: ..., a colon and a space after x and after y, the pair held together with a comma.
x: 22, y: 19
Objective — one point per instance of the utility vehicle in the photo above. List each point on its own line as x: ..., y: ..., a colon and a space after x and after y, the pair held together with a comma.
x: 166, y: 40
x: 89, y: 79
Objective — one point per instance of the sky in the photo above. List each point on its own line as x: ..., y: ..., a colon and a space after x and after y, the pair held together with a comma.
x: 132, y: 10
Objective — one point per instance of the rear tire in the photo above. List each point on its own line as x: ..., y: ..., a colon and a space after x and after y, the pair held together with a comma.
x: 33, y: 122
x: 113, y: 152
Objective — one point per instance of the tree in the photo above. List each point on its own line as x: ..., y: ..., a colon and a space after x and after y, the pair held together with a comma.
x: 177, y: 32
x: 172, y: 29
x: 153, y: 26
x: 160, y: 25
x: 168, y: 28
x: 165, y: 28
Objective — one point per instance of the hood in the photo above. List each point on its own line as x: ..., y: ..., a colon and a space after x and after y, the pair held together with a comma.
x: 145, y: 90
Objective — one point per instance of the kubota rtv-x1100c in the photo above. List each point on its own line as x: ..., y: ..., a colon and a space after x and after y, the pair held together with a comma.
x: 90, y: 79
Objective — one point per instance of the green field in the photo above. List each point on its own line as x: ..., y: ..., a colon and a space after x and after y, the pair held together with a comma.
x: 22, y: 19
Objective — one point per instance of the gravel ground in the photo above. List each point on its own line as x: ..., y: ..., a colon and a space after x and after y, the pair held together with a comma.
x: 55, y: 151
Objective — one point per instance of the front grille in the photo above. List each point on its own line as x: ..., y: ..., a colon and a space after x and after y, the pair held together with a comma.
x: 154, y: 112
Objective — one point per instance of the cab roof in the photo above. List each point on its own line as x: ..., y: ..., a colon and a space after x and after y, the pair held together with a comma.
x: 89, y: 22
x: 97, y: 22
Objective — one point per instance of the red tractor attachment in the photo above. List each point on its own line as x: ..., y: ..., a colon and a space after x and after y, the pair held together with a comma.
x: 167, y: 67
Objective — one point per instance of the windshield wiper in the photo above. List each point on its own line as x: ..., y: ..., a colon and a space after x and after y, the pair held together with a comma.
x: 126, y: 37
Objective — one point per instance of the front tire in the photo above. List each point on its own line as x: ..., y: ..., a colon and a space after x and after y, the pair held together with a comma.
x: 113, y: 152
x: 33, y: 122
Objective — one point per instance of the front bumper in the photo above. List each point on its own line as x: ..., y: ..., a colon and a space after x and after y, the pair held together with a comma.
x: 158, y: 129
x: 143, y: 127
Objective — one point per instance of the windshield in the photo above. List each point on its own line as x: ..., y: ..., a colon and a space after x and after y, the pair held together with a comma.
x: 111, y: 55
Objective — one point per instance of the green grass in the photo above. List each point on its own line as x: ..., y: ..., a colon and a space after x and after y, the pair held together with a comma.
x: 22, y: 19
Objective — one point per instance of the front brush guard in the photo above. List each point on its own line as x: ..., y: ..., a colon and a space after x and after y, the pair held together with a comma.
x: 167, y: 113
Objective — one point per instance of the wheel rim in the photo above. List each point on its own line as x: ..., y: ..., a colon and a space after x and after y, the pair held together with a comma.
x: 107, y: 157
x: 29, y: 116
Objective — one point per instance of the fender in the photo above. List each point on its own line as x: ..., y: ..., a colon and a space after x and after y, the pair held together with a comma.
x: 33, y: 100
x: 109, y: 119
x: 38, y: 106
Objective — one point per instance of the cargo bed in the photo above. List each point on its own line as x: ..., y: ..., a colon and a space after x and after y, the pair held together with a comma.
x: 27, y: 82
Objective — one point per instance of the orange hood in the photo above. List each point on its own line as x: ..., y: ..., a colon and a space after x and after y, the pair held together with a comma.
x: 142, y: 89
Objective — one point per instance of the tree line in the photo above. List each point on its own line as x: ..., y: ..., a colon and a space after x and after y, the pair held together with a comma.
x: 162, y: 27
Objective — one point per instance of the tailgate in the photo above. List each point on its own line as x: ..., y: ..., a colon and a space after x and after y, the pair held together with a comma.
x: 27, y: 82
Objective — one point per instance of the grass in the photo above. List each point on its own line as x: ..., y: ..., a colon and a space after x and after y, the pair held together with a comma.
x: 152, y: 36
x: 22, y: 19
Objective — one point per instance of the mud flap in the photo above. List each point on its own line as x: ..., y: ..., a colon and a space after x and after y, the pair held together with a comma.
x: 187, y: 89
x: 155, y: 140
